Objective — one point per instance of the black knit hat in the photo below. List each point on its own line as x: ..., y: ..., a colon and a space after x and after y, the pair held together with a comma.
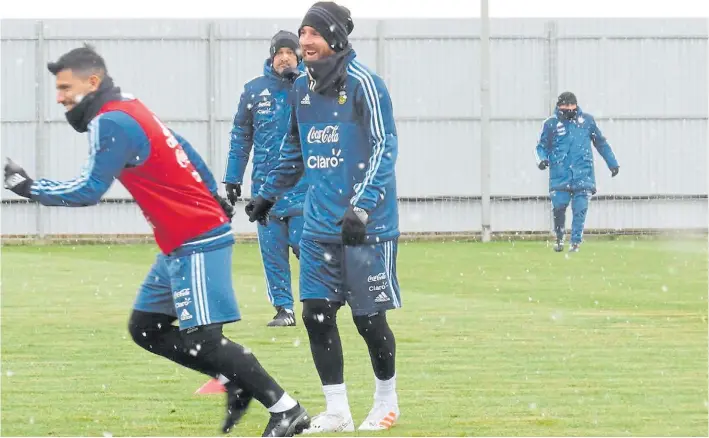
x: 566, y: 98
x: 285, y: 39
x: 332, y: 21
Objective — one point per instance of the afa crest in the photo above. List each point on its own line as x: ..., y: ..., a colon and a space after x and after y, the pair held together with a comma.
x: 343, y: 98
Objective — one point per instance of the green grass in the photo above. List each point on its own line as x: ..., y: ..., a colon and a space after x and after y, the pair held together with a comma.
x: 494, y: 339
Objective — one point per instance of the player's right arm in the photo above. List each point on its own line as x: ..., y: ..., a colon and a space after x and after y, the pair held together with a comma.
x: 241, y: 142
x: 111, y: 149
x: 544, y: 144
x: 290, y: 163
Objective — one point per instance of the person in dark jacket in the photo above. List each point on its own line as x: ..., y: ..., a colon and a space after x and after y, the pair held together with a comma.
x: 260, y: 123
x: 343, y: 138
x: 565, y: 148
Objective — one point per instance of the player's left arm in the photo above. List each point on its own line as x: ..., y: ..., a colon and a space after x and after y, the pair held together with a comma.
x: 374, y: 107
x: 601, y: 144
x: 111, y: 148
x: 198, y: 163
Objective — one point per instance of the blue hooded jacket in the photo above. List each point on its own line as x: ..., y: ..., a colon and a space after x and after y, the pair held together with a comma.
x: 566, y: 144
x: 346, y: 144
x: 261, y: 122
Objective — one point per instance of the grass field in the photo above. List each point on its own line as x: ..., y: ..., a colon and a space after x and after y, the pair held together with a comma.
x: 500, y: 339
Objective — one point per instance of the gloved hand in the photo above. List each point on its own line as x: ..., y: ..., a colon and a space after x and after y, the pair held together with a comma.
x: 233, y: 192
x: 258, y: 208
x: 228, y: 209
x: 291, y: 73
x: 354, y: 226
x: 543, y: 164
x: 16, y: 179
x: 614, y: 171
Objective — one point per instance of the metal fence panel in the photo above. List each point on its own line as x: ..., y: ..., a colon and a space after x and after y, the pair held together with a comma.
x: 640, y: 78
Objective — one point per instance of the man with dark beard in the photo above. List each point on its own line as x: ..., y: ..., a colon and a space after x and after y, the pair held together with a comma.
x: 343, y: 138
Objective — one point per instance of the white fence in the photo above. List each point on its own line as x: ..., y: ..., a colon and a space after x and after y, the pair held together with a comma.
x: 645, y: 81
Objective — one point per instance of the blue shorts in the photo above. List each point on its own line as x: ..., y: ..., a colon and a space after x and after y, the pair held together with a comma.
x: 195, y: 288
x: 362, y: 276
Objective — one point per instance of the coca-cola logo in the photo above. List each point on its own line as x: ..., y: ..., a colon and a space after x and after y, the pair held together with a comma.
x: 379, y: 277
x: 328, y: 134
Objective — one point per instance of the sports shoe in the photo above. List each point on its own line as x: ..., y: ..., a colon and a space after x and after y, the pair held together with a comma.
x: 237, y: 402
x: 382, y: 416
x: 331, y: 422
x: 288, y: 423
x: 575, y: 247
x: 559, y: 245
x: 284, y: 318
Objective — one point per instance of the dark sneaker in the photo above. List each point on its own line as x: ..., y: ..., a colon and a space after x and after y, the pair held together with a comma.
x: 559, y: 245
x: 284, y: 318
x: 237, y: 402
x: 288, y: 423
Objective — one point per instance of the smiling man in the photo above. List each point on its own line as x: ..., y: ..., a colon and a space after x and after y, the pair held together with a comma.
x: 190, y: 281
x: 343, y: 137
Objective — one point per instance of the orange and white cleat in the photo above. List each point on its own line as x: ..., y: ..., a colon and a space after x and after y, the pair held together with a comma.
x: 382, y: 416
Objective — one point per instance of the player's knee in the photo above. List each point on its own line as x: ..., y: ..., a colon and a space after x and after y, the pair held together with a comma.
x: 202, y: 340
x: 371, y: 325
x: 319, y: 315
x: 146, y: 327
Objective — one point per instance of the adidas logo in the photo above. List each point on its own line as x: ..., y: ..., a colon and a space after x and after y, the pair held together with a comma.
x: 265, y: 92
x: 185, y: 315
x: 382, y: 298
x: 289, y: 320
x: 305, y: 100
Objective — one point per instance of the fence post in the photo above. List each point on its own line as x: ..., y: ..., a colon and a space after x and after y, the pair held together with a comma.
x: 39, y: 143
x: 552, y: 86
x: 485, y: 127
x: 211, y: 99
x: 380, y: 61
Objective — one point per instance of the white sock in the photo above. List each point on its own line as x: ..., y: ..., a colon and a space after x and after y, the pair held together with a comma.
x: 223, y: 379
x: 385, y: 389
x: 336, y: 399
x: 285, y: 403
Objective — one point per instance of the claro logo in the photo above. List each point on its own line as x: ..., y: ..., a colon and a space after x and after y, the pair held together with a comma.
x: 324, y: 162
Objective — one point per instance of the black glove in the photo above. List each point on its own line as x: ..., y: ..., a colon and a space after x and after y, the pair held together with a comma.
x: 228, y: 209
x: 233, y: 191
x: 354, y: 226
x: 16, y: 179
x: 543, y: 164
x: 257, y: 209
x: 291, y: 73
x: 614, y: 171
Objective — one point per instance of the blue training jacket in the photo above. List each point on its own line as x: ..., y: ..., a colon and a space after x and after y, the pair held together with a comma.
x: 346, y: 145
x: 261, y: 122
x: 567, y: 146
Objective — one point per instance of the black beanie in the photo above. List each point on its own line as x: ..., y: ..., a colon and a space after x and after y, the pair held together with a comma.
x: 566, y: 98
x: 332, y: 21
x: 285, y: 39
